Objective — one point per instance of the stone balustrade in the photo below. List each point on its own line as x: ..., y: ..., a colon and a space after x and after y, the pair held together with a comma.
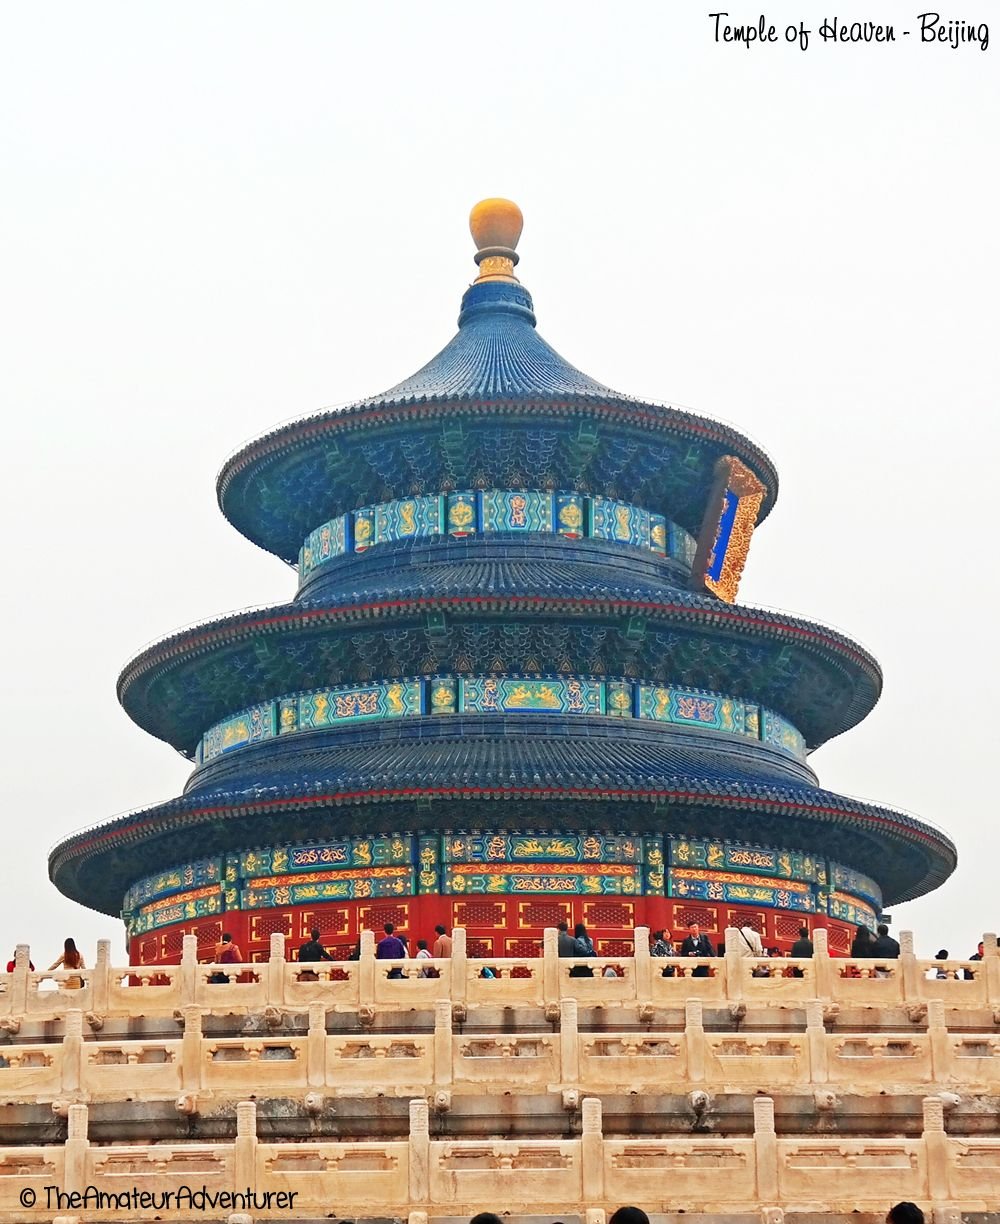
x: 633, y: 981
x: 404, y: 1063
x: 694, y: 1173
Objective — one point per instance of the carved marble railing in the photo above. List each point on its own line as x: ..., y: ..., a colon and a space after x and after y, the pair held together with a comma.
x: 93, y: 1067
x: 544, y: 1176
x: 632, y: 981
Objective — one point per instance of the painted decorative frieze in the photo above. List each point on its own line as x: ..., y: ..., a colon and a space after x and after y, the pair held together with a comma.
x: 495, y: 863
x: 466, y: 513
x: 501, y: 694
x: 447, y: 695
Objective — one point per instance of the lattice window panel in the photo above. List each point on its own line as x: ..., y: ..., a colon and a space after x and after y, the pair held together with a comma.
x: 523, y: 947
x: 609, y: 913
x: 479, y: 948
x: 786, y: 926
x: 376, y: 916
x: 481, y: 914
x: 545, y: 913
x: 147, y: 950
x: 327, y: 922
x: 838, y: 939
x: 208, y: 933
x: 614, y: 947
x: 263, y: 926
x: 172, y: 943
x: 704, y: 917
x: 742, y: 918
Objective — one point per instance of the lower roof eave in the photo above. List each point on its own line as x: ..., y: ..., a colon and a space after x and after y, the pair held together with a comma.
x: 83, y: 868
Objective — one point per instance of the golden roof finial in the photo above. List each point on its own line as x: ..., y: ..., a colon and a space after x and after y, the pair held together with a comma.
x: 496, y: 227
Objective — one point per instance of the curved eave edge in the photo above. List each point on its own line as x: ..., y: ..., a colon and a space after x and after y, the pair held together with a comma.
x: 153, y: 822
x: 371, y: 414
x: 292, y: 618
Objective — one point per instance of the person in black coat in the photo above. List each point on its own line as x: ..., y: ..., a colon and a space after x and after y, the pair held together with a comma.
x: 885, y: 947
x: 567, y: 944
x: 313, y: 950
x: 803, y: 946
x: 862, y: 944
x: 696, y: 944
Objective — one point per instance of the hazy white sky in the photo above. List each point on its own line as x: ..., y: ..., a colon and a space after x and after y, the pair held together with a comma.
x: 216, y: 217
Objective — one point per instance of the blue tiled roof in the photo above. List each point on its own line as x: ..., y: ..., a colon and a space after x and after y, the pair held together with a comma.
x: 517, y: 749
x: 531, y: 773
x: 496, y: 354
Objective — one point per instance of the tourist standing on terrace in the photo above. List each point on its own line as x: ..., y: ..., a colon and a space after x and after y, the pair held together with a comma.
x: 567, y: 945
x: 226, y: 953
x: 802, y: 949
x: 391, y: 947
x: 442, y: 945
x: 696, y: 944
x: 70, y: 959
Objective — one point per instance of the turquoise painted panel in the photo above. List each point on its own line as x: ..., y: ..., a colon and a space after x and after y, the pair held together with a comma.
x: 329, y: 540
x: 658, y: 534
x: 331, y: 707
x: 346, y: 854
x: 364, y: 529
x: 429, y: 864
x: 779, y: 732
x: 719, y: 855
x: 410, y: 517
x: 542, y: 848
x: 617, y: 520
x: 692, y: 886
x: 463, y: 518
x: 165, y: 913
x: 509, y: 880
x: 618, y: 698
x: 846, y: 880
x: 251, y: 726
x: 515, y: 511
x: 653, y: 871
x: 570, y: 515
x: 177, y: 879
x: 499, y: 694
x: 692, y: 708
x: 855, y: 912
x: 395, y: 883
x: 681, y: 545
x: 443, y: 695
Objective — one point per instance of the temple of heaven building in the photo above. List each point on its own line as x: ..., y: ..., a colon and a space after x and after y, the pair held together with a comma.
x: 512, y: 688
